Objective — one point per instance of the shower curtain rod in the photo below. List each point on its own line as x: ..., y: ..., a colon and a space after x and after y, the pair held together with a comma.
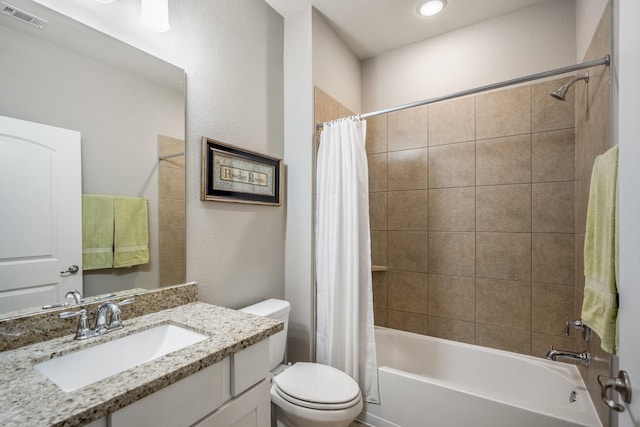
x: 606, y: 60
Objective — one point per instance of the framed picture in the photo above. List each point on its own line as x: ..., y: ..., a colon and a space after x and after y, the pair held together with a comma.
x: 231, y: 174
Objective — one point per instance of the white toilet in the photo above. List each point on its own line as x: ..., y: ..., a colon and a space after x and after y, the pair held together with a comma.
x: 306, y: 394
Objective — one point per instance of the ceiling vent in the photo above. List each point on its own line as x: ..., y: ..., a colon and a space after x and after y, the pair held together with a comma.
x: 22, y: 16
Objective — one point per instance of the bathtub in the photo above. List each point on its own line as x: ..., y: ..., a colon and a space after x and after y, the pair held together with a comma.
x: 431, y: 382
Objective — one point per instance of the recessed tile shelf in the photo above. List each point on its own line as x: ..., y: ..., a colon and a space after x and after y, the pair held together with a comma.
x: 379, y: 268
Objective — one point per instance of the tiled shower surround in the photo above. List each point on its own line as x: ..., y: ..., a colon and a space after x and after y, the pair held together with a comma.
x: 473, y: 212
x: 472, y: 209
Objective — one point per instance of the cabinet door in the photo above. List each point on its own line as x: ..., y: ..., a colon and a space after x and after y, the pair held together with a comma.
x: 251, y: 409
x: 181, y: 404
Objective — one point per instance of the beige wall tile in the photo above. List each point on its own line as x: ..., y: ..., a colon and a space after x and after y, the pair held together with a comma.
x: 452, y: 253
x: 503, y: 303
x: 503, y: 113
x: 172, y: 272
x: 168, y: 146
x: 514, y: 340
x: 584, y: 148
x: 452, y: 209
x: 379, y: 285
x: 452, y: 329
x: 408, y: 210
x: 408, y: 250
x: 378, y: 210
x: 408, y: 291
x: 325, y: 107
x: 453, y: 297
x: 548, y: 113
x: 503, y: 256
x: 503, y: 208
x: 600, y: 121
x: 552, y: 306
x: 379, y: 243
x: 452, y: 121
x: 503, y: 160
x: 582, y: 201
x: 553, y: 207
x: 553, y: 258
x: 172, y: 245
x: 553, y: 156
x: 452, y: 165
x: 344, y: 111
x: 579, y: 262
x: 411, y: 322
x: 577, y: 313
x: 377, y: 134
x: 171, y: 183
x: 172, y: 214
x: 407, y: 129
x: 541, y: 343
x: 408, y: 170
x: 377, y: 172
x: 380, y: 317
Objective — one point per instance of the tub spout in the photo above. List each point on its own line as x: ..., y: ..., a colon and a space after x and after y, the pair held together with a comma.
x: 582, y: 357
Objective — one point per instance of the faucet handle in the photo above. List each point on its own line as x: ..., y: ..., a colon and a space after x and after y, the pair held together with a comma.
x: 126, y: 301
x: 116, y: 319
x: 83, y: 330
x: 579, y: 325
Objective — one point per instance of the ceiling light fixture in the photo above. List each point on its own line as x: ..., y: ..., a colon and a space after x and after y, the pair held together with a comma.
x: 430, y: 7
x: 154, y: 14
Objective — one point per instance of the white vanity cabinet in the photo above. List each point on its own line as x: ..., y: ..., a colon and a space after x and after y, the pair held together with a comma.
x: 233, y: 392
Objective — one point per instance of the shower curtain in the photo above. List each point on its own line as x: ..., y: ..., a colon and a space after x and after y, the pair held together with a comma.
x: 345, y: 336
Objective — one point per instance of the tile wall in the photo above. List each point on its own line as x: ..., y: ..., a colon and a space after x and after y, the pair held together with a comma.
x: 472, y: 211
x: 172, y: 225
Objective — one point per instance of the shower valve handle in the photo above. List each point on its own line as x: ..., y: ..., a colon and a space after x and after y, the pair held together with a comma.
x: 580, y: 326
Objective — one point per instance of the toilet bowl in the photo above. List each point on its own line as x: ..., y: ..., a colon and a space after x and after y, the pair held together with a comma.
x: 306, y: 394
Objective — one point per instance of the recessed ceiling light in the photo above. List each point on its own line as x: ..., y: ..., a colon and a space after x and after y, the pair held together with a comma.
x: 430, y: 7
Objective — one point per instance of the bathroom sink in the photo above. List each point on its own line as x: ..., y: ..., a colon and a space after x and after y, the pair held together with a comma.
x: 76, y: 370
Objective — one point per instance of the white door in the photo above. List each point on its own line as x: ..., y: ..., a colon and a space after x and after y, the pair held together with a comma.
x: 628, y: 106
x: 40, y: 213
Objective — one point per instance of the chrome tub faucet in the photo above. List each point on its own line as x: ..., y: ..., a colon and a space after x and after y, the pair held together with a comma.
x: 582, y: 357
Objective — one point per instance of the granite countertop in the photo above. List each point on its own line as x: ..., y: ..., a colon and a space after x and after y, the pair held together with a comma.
x: 29, y: 398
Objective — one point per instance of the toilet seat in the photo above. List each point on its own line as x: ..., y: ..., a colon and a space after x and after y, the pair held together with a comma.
x: 331, y: 388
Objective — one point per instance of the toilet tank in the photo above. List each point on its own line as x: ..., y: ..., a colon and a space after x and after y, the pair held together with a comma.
x: 274, y: 309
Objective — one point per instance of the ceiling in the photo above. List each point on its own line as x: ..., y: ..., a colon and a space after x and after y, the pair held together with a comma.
x: 370, y: 27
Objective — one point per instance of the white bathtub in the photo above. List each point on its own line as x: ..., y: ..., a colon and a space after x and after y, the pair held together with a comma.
x: 431, y: 382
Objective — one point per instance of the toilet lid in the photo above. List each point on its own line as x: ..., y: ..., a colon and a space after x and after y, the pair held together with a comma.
x: 317, y: 386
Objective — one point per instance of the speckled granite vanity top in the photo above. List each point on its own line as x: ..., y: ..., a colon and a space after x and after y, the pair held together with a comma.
x: 27, y: 398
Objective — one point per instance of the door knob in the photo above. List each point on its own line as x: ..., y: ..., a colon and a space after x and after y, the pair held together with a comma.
x: 621, y: 384
x: 73, y: 269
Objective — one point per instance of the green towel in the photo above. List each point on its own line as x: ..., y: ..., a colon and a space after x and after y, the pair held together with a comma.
x: 97, y: 231
x: 131, y: 235
x: 600, y: 304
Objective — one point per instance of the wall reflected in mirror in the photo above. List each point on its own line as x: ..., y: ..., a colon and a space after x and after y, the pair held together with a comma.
x: 130, y: 110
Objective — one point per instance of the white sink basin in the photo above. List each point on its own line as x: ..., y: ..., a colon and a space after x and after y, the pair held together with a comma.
x: 76, y: 370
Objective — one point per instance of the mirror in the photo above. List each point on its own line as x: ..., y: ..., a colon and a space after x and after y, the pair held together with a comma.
x: 130, y: 110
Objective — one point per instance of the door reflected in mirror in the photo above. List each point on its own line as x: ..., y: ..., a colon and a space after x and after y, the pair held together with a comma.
x: 129, y: 108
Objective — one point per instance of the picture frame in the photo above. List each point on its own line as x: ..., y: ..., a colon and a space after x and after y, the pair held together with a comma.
x: 232, y: 174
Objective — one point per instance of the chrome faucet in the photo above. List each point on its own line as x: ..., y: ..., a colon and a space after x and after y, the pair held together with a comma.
x: 115, y: 322
x: 582, y: 357
x: 84, y: 331
x: 76, y: 297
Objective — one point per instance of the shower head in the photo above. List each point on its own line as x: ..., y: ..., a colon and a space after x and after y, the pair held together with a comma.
x: 562, y: 90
